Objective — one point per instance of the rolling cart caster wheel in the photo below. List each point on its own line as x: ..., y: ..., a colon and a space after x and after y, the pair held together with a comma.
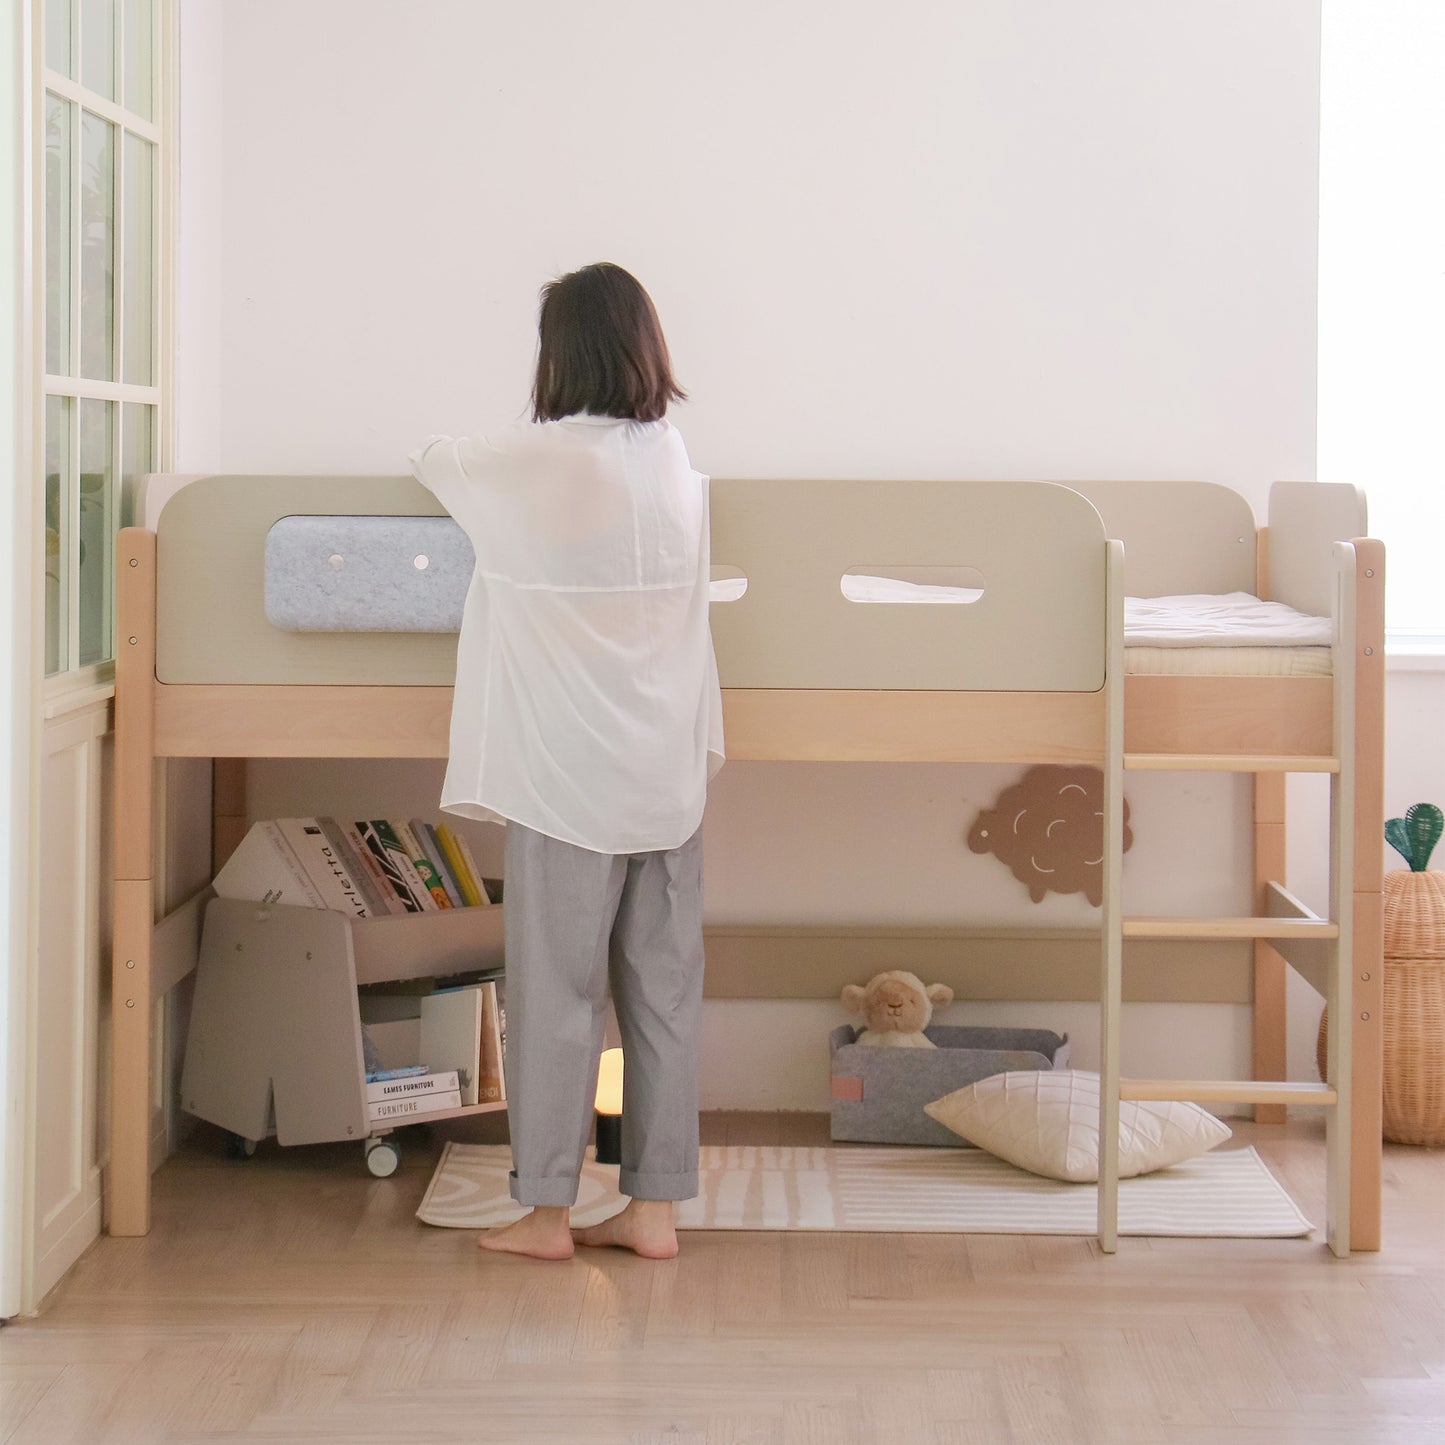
x: 238, y: 1146
x: 382, y: 1157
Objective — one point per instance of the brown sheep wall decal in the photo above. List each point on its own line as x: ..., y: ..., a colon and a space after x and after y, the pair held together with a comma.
x: 1049, y: 828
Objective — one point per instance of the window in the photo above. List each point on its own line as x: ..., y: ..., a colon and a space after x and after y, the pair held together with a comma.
x: 102, y: 304
x: 1382, y: 291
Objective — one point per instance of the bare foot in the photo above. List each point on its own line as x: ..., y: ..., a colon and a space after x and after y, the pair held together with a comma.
x: 542, y: 1234
x: 645, y: 1226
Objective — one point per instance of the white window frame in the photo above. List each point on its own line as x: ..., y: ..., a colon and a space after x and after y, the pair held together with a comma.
x: 76, y: 686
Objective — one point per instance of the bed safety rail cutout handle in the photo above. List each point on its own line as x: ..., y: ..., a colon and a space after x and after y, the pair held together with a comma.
x: 367, y: 574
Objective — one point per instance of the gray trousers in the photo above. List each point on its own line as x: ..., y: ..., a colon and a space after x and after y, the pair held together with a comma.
x: 577, y: 921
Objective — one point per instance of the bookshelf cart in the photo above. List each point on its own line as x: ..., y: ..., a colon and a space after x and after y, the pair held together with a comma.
x: 275, y: 1034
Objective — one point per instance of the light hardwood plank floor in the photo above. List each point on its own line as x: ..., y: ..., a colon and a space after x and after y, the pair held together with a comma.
x: 293, y: 1297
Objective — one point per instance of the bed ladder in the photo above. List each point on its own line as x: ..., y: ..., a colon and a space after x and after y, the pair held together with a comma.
x: 1321, y: 949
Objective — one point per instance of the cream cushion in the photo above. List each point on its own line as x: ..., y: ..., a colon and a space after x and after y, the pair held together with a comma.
x: 1048, y: 1123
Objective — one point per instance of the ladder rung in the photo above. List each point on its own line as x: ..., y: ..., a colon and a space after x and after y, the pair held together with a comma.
x: 1139, y: 927
x: 1217, y: 1091
x: 1231, y: 763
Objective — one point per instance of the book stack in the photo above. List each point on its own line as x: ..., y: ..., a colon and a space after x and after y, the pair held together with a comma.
x: 368, y: 869
x: 402, y: 1093
x: 456, y: 1037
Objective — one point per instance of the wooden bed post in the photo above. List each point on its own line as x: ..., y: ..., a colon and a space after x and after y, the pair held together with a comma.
x: 134, y: 901
x: 1369, y: 868
x: 228, y: 809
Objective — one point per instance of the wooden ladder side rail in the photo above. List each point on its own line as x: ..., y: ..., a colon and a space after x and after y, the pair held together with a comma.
x: 1111, y: 922
x: 1339, y: 992
x: 1365, y: 949
x: 128, y: 1178
x: 1269, y: 1021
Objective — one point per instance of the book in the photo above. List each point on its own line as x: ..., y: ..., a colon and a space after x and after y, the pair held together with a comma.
x: 407, y: 1071
x: 389, y: 866
x: 425, y: 868
x: 360, y: 871
x: 425, y: 834
x: 472, y: 868
x: 377, y: 1109
x: 443, y: 1082
x: 389, y: 902
x: 451, y: 1033
x: 412, y: 880
x: 470, y: 889
x: 323, y: 866
x: 264, y: 869
x: 491, y: 1077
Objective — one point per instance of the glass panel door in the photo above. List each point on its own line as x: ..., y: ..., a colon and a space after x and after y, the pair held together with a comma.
x: 96, y: 527
x: 57, y: 532
x: 137, y: 362
x: 97, y: 248
x: 59, y: 118
x: 97, y: 46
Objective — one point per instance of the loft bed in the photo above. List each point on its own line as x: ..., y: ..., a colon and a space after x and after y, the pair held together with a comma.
x: 1033, y: 670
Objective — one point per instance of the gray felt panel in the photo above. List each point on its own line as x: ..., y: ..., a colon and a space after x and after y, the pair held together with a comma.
x: 366, y: 574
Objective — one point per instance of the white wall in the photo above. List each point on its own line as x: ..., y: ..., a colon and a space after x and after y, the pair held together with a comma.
x: 1002, y: 239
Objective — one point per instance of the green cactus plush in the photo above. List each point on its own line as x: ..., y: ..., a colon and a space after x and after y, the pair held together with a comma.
x: 1415, y: 835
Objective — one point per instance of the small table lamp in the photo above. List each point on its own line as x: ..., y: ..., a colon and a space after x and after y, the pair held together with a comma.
x: 609, y: 1107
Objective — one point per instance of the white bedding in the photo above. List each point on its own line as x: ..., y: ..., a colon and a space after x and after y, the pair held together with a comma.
x: 1234, y: 634
x: 1235, y: 619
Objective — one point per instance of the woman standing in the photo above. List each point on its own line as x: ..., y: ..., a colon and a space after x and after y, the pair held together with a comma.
x: 587, y: 717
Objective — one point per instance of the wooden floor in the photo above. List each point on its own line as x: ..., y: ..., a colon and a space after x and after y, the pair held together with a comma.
x: 293, y: 1297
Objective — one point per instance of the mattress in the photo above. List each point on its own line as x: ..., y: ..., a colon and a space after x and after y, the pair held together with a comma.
x: 1235, y: 635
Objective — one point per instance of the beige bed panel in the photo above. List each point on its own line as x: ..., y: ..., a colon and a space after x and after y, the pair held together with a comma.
x: 977, y: 963
x: 1038, y: 549
x: 1305, y: 520
x: 1039, y: 625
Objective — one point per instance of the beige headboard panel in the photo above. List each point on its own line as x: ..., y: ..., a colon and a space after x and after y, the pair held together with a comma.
x: 210, y: 570
x: 1179, y: 537
x: 1039, y: 625
x: 1305, y: 520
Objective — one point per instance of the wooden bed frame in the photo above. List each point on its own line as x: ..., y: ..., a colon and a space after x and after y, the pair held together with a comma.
x: 808, y: 675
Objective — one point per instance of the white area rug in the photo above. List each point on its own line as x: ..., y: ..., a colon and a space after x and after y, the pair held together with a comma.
x: 895, y: 1191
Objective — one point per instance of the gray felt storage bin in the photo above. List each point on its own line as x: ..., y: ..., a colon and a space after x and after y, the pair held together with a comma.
x: 878, y: 1094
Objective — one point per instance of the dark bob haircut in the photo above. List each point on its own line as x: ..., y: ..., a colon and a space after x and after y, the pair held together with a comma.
x: 601, y: 349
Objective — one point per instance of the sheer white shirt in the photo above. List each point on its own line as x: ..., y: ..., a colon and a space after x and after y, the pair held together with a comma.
x: 587, y: 703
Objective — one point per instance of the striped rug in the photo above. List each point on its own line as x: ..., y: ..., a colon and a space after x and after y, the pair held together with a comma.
x: 895, y: 1190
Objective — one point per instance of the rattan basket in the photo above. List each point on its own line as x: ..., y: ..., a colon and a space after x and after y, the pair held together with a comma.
x: 1413, y: 1009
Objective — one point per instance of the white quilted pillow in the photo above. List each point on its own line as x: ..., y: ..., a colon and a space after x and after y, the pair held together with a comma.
x: 1048, y: 1123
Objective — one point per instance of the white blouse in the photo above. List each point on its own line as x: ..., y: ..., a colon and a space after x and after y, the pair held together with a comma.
x: 586, y: 703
